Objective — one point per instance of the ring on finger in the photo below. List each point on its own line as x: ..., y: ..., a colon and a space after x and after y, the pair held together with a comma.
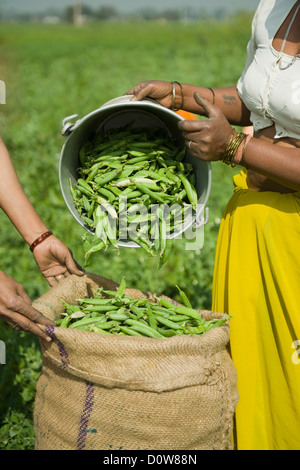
x: 190, y: 143
x: 59, y: 276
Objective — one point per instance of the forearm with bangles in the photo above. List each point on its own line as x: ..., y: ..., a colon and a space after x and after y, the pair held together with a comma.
x: 235, y: 150
x: 281, y: 164
x: 277, y: 162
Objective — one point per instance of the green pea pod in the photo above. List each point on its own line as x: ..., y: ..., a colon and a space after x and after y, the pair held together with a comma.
x: 162, y: 310
x: 86, y: 203
x: 150, y: 193
x: 181, y: 318
x: 89, y: 222
x: 93, y: 172
x: 151, y: 318
x: 145, y: 145
x: 136, y: 153
x: 171, y: 176
x: 166, y: 303
x: 99, y: 223
x: 65, y: 322
x: 106, y: 193
x: 189, y: 311
x: 108, y: 325
x: 122, y: 287
x: 100, y: 308
x: 165, y: 254
x: 144, y: 243
x: 97, y: 329
x: 167, y: 332
x: 162, y: 232
x: 129, y: 331
x: 93, y: 247
x: 110, y: 230
x: 91, y: 209
x: 117, y: 316
x: 144, y: 329
x: 180, y: 156
x: 166, y: 322
x: 135, y: 160
x: 94, y: 301
x: 72, y: 190
x: 85, y: 191
x: 109, y: 176
x: 184, y: 298
x: 107, y: 206
x: 190, y: 190
x: 83, y: 184
x: 83, y: 322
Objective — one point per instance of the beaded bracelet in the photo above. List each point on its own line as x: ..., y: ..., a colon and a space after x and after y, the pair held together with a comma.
x: 174, y: 96
x: 232, y: 148
x: 40, y: 239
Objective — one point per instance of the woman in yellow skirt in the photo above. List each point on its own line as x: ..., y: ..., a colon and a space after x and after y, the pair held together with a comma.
x: 257, y: 265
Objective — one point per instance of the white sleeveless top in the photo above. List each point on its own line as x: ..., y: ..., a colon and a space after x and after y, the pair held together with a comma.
x: 269, y: 87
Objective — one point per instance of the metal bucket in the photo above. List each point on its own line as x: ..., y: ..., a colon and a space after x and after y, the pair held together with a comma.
x: 115, y: 114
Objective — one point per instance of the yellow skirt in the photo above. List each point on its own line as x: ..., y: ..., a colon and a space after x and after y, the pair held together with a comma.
x: 257, y: 280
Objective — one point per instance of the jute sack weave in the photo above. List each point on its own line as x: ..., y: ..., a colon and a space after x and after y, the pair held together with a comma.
x: 107, y: 392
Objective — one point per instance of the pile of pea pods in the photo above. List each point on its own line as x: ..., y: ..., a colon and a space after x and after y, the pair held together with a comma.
x: 117, y: 313
x: 133, y: 184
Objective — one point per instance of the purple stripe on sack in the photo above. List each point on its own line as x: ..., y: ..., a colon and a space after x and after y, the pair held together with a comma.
x: 85, y: 416
x: 62, y: 351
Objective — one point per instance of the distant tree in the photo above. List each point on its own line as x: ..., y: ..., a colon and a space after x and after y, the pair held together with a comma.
x: 68, y: 14
x: 220, y: 14
x: 172, y: 15
x: 148, y: 14
x: 106, y: 12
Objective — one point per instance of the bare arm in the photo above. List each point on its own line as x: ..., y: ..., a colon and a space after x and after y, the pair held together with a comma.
x: 227, y: 99
x: 209, y: 140
x: 14, y: 202
x: 53, y: 258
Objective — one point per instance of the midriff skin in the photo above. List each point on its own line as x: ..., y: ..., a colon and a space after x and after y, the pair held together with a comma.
x: 258, y: 182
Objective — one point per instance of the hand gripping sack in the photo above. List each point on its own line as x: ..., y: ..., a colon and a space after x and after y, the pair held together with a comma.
x: 107, y: 392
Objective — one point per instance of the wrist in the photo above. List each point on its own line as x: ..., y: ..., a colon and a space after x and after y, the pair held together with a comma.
x: 239, y: 156
x: 40, y: 239
x: 235, y: 150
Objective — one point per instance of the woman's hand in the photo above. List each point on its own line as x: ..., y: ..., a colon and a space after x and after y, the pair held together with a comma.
x: 159, y: 90
x: 55, y: 260
x: 16, y: 308
x: 207, y: 139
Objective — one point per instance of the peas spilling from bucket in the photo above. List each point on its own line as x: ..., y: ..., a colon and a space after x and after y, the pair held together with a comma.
x: 134, y: 185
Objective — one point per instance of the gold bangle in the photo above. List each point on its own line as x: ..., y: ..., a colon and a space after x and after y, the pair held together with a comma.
x: 174, y: 96
x: 214, y: 95
x: 232, y: 148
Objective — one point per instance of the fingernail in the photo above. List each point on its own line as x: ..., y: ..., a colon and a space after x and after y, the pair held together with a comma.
x: 48, y: 339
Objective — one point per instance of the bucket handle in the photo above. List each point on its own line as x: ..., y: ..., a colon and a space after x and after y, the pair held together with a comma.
x: 67, y: 126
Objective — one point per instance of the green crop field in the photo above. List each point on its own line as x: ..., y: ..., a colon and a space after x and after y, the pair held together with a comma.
x: 53, y: 71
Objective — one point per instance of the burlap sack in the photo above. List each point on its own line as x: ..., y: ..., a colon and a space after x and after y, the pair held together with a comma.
x: 116, y: 392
